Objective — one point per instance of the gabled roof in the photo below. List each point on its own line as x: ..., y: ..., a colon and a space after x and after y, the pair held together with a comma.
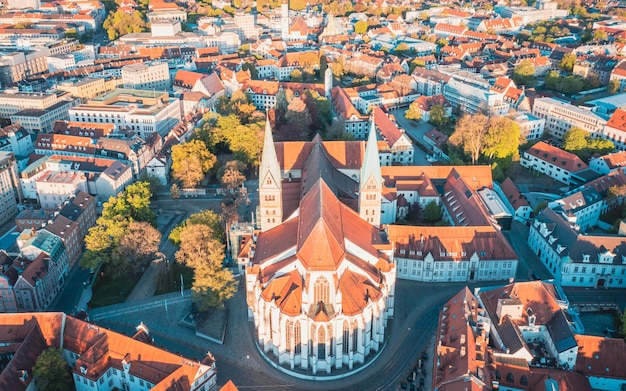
x: 512, y: 194
x: 390, y: 132
x: 599, y: 356
x: 556, y: 156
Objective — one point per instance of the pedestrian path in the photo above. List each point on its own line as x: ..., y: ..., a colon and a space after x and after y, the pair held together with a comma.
x: 127, y: 308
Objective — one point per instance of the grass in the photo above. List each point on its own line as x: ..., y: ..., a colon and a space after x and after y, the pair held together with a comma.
x: 108, y: 290
x: 170, y: 283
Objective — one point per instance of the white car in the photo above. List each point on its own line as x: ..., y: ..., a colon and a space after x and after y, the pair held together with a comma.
x: 431, y: 159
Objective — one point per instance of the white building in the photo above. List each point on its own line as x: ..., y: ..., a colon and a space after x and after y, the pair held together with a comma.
x: 595, y: 261
x: 10, y: 192
x: 608, y: 163
x: 615, y: 129
x: 543, y: 10
x: 471, y: 96
x: 154, y: 76
x: 581, y: 209
x: 15, y: 138
x: 531, y: 127
x: 554, y: 162
x: 54, y: 187
x: 165, y: 28
x: 561, y: 116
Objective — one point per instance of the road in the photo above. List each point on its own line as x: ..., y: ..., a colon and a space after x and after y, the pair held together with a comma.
x: 415, y: 131
x: 67, y: 300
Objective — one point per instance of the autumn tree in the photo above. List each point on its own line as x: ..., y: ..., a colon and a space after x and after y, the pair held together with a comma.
x: 524, y: 74
x: 413, y: 112
x: 296, y: 75
x: 212, y: 284
x: 206, y: 217
x: 402, y: 84
x: 191, y: 161
x: 438, y: 115
x: 137, y: 248
x: 120, y: 23
x: 231, y: 176
x: 51, y: 372
x: 567, y: 62
x: 469, y: 135
x: 360, y: 27
x: 297, y: 121
x: 502, y: 139
x: 613, y: 86
x: 579, y: 142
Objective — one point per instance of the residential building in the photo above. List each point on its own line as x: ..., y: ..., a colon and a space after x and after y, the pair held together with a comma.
x: 54, y: 187
x: 561, y: 116
x: 400, y: 145
x: 42, y: 120
x: 337, y: 248
x: 514, y: 200
x: 154, y: 76
x: 471, y: 97
x: 574, y: 259
x: 608, y: 163
x: 85, y: 88
x: 354, y: 122
x: 615, y: 129
x: 16, y: 139
x: 425, y: 104
x: 10, y: 191
x: 554, y: 162
x: 429, y: 82
x: 142, y: 111
x: 543, y: 10
x: 442, y: 254
x: 99, y: 359
x: 531, y: 127
x: 619, y: 74
x: 581, y: 209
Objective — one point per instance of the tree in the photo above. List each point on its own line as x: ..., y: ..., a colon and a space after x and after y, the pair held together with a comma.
x: 298, y: 121
x: 360, y: 27
x: 622, y: 327
x: 432, y: 212
x: 296, y: 75
x: 575, y: 140
x: 469, y: 134
x: 524, y: 74
x: 212, y: 284
x: 502, y: 139
x: 438, y: 115
x: 254, y: 73
x: 175, y: 191
x: 613, y: 86
x: 413, y: 112
x: 231, y: 176
x: 567, y: 62
x: 600, y: 35
x: 401, y: 49
x: 51, y: 372
x: 207, y: 218
x: 136, y: 248
x: 120, y: 23
x: 191, y: 161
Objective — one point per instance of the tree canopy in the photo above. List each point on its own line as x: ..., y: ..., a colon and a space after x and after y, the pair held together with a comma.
x: 191, y: 161
x: 51, y: 372
x: 360, y: 27
x: 469, y: 135
x: 579, y: 142
x: 438, y: 115
x: 432, y: 212
x: 120, y: 23
x: 567, y: 62
x: 524, y: 74
x: 502, y: 139
x: 205, y: 217
x: 413, y: 112
x: 212, y: 284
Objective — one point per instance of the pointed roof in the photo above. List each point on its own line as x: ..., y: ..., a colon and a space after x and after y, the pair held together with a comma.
x: 269, y: 161
x: 371, y: 163
x: 320, y: 242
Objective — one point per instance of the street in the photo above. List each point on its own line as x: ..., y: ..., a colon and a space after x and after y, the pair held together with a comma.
x: 415, y: 131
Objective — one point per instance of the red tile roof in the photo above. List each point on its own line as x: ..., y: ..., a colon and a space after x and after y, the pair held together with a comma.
x: 556, y: 156
x: 602, y: 357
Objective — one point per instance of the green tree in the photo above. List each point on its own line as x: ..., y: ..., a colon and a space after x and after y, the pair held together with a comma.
x: 613, y: 86
x: 432, y: 212
x: 469, y: 135
x: 575, y: 140
x: 120, y: 23
x: 600, y: 35
x: 296, y: 75
x: 401, y: 49
x: 438, y: 115
x: 212, y: 284
x: 191, y: 161
x: 524, y: 74
x: 51, y: 372
x: 441, y: 42
x: 360, y: 27
x: 502, y: 139
x: 254, y: 73
x: 567, y: 62
x: 207, y: 218
x: 413, y: 112
x: 622, y: 327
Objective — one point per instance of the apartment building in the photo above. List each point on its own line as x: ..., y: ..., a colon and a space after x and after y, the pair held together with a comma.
x: 554, y: 162
x: 154, y: 76
x: 615, y: 129
x: 42, y: 121
x: 10, y: 191
x: 471, y: 96
x: 142, y: 111
x: 608, y: 163
x: 54, y: 187
x: 87, y: 87
x: 17, y: 64
x: 581, y: 209
x: 354, y: 122
x: 399, y: 144
x: 574, y: 259
x: 531, y: 127
x: 561, y: 116
x: 16, y: 139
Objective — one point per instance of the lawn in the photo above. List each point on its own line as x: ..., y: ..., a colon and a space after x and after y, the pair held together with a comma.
x: 107, y: 290
x: 169, y: 280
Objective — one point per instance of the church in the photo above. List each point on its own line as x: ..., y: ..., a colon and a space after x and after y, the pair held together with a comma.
x: 321, y: 277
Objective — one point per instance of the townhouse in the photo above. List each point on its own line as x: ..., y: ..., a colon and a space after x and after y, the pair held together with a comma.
x: 354, y: 122
x: 606, y: 164
x: 581, y: 208
x: 399, y: 144
x: 554, y: 162
x: 515, y: 202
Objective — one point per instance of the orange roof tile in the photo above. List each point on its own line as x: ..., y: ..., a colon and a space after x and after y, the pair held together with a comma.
x: 556, y: 156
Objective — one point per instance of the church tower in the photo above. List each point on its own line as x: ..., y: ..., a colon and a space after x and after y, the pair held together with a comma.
x: 270, y: 184
x: 371, y: 181
x: 328, y: 83
x: 284, y: 19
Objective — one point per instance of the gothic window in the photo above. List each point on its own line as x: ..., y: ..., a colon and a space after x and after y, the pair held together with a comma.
x: 268, y: 181
x: 524, y: 380
x: 372, y: 328
x: 345, y: 343
x: 297, y: 337
x: 271, y: 328
x: 510, y: 378
x: 355, y: 336
x: 321, y: 290
x: 321, y: 343
x: 288, y: 335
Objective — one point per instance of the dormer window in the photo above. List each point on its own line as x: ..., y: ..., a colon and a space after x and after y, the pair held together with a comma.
x: 552, y: 239
x: 585, y: 257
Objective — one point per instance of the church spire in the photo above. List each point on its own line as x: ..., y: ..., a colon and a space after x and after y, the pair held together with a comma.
x: 269, y: 160
x: 371, y: 162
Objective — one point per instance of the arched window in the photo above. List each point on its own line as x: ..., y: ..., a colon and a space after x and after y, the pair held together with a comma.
x: 321, y: 343
x: 321, y: 290
x: 372, y: 327
x: 271, y: 328
x: 288, y: 335
x: 497, y: 375
x: 345, y: 343
x: 297, y: 337
x: 523, y: 380
x: 355, y: 336
x: 510, y: 378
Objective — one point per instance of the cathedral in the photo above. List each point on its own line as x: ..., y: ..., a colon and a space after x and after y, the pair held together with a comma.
x: 321, y: 278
